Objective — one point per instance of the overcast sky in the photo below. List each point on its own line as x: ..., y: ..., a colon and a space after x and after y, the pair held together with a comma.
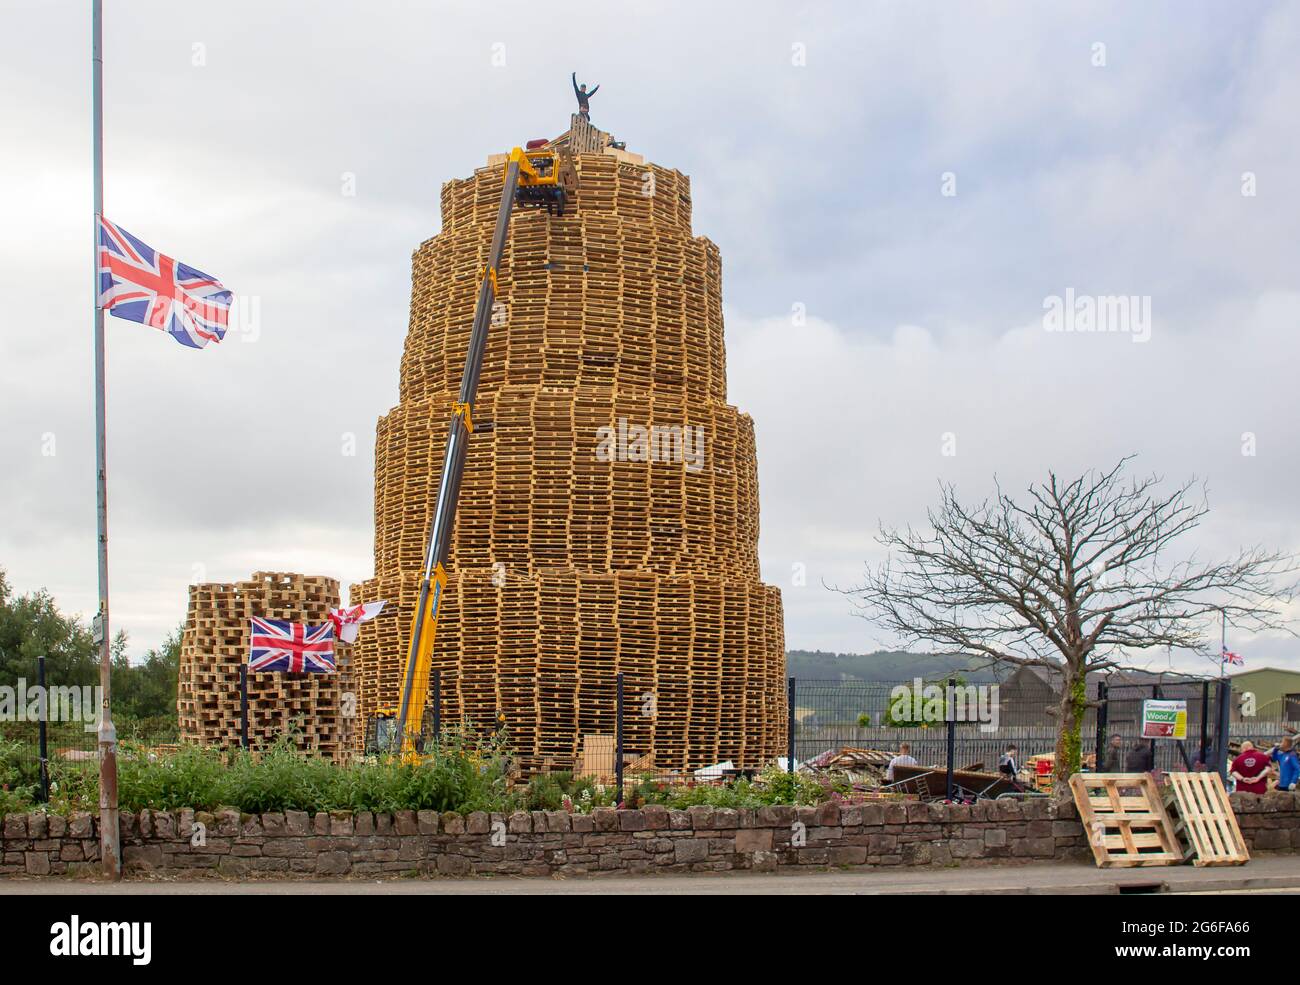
x: 1146, y: 150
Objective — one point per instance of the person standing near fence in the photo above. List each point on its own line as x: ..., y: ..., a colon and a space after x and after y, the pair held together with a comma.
x: 1009, y: 765
x: 1288, y: 764
x: 1114, y: 762
x: 1250, y: 769
x: 904, y: 758
x: 1140, y: 758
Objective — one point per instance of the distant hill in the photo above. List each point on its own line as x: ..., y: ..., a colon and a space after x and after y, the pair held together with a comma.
x: 885, y: 665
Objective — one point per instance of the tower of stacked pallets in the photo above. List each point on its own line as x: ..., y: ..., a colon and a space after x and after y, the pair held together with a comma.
x: 565, y: 567
x: 215, y: 642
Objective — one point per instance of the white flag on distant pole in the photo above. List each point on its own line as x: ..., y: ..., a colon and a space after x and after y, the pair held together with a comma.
x: 348, y: 620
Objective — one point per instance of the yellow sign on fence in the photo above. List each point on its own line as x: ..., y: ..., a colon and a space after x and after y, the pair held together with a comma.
x: 1164, y: 719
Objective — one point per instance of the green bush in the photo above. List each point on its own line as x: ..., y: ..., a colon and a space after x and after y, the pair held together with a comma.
x: 463, y: 775
x: 19, y: 777
x: 773, y: 786
x: 154, y: 728
x: 190, y: 777
x: 800, y: 789
x: 585, y: 794
x: 545, y: 792
x: 466, y: 773
x: 738, y: 795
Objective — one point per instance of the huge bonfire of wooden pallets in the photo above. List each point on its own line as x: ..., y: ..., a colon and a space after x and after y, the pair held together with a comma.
x: 214, y: 644
x: 580, y: 552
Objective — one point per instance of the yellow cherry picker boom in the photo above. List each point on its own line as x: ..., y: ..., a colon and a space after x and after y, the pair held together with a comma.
x: 534, y: 176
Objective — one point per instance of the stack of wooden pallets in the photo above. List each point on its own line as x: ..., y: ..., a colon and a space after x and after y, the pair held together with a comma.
x: 214, y: 644
x: 586, y: 544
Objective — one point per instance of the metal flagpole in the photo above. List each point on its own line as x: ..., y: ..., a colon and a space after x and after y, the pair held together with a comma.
x: 1223, y: 645
x: 110, y: 847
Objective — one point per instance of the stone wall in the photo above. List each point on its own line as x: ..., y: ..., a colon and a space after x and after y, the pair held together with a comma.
x: 702, y: 839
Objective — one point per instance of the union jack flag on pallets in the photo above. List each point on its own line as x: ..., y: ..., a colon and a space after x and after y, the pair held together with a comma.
x: 138, y: 283
x: 291, y: 647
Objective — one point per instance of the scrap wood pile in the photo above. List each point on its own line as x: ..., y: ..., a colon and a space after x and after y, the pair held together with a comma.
x: 863, y: 768
x: 1039, y: 770
x: 599, y: 757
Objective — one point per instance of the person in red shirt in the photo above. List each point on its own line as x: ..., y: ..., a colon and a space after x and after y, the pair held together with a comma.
x: 1250, y: 769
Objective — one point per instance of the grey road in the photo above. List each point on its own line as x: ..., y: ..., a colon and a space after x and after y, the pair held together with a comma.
x: 1269, y: 874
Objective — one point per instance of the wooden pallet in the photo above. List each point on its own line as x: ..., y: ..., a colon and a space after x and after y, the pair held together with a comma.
x: 1124, y: 819
x: 1199, y: 807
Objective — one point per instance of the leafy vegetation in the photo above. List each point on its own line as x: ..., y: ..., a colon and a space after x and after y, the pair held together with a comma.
x: 17, y: 784
x: 933, y: 706
x: 563, y: 791
x: 773, y: 786
x: 467, y: 773
x: 144, y: 692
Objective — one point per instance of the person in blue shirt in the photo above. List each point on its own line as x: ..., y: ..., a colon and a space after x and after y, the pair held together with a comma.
x: 1288, y: 764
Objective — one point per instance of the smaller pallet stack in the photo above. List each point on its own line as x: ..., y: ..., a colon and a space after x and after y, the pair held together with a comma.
x: 215, y: 643
x: 1198, y: 805
x: 1124, y: 818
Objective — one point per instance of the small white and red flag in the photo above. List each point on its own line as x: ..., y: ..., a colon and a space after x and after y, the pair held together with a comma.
x: 348, y: 620
x: 1235, y: 659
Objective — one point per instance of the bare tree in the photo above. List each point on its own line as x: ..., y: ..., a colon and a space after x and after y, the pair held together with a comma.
x: 1071, y: 579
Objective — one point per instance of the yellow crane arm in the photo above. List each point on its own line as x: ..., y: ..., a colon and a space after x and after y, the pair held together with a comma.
x: 531, y: 177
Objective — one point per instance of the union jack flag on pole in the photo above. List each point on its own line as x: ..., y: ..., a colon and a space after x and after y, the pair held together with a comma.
x: 138, y: 283
x: 290, y: 647
x: 1232, y: 658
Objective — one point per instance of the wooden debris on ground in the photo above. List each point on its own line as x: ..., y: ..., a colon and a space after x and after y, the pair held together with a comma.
x: 931, y: 782
x: 863, y: 768
x: 599, y: 758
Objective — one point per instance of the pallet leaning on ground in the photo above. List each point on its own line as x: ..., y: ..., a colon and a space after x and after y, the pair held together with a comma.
x: 1125, y: 820
x: 1198, y: 805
